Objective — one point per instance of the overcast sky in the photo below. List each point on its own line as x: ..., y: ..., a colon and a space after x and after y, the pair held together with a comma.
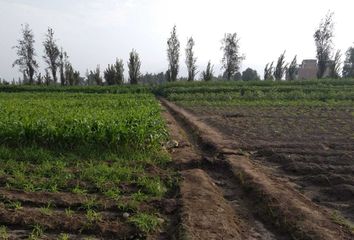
x: 98, y: 31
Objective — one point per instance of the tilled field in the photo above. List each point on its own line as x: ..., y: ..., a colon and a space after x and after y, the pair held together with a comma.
x: 313, y: 147
x: 224, y: 194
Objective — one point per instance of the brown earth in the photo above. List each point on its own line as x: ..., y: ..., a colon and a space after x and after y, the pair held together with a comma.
x: 310, y: 146
x: 266, y: 195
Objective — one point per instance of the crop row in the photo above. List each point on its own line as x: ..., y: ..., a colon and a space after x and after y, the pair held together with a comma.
x: 69, y: 120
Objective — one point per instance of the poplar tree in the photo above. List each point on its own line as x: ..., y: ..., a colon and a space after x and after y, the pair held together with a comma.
x: 26, y: 54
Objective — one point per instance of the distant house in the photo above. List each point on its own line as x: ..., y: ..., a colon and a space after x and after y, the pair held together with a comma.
x: 307, y: 70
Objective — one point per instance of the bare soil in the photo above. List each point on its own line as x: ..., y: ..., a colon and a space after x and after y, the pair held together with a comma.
x: 267, y: 200
x: 311, y: 147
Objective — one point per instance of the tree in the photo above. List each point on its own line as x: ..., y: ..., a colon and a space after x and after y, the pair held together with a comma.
x: 94, y: 77
x: 323, y: 40
x: 249, y: 74
x: 173, y: 47
x: 232, y: 59
x: 280, y: 67
x: 292, y: 70
x: 348, y: 68
x: 110, y: 74
x: 62, y: 59
x: 191, y: 60
x: 72, y: 77
x: 26, y: 54
x: 47, y: 79
x: 119, y: 72
x: 39, y: 79
x: 134, y: 67
x: 97, y: 76
x: 152, y: 78
x: 268, y: 71
x: 334, y: 68
x: 52, y: 53
x: 207, y: 75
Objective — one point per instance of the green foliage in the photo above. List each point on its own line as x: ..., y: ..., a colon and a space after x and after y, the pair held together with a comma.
x: 232, y: 58
x: 145, y: 222
x: 51, y: 53
x: 249, y: 75
x: 114, y: 73
x: 134, y: 67
x: 93, y: 216
x: 37, y: 232
x: 324, y: 43
x: 207, y: 75
x: 268, y: 71
x: 70, y: 120
x: 4, y: 235
x: 109, y: 75
x: 292, y: 70
x: 317, y: 92
x: 348, y: 68
x: 191, y: 60
x: 26, y: 55
x: 280, y: 67
x: 173, y: 47
x: 94, y: 77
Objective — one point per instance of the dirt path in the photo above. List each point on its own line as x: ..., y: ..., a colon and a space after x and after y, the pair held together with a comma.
x: 224, y: 195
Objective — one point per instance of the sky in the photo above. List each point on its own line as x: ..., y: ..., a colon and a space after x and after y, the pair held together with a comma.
x: 96, y: 32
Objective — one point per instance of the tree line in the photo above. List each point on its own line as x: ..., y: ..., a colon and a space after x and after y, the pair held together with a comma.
x: 59, y: 70
x: 329, y: 64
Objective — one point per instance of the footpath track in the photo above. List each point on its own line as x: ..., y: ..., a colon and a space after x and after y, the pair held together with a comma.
x: 225, y: 195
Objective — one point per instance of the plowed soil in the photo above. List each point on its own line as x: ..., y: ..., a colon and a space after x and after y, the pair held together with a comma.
x: 310, y: 147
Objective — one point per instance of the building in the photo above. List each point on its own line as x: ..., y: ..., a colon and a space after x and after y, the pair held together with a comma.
x: 307, y: 70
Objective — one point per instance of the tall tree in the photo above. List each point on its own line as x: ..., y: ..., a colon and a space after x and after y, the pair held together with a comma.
x: 348, y: 68
x: 97, y: 76
x: 72, y: 77
x: 51, y: 53
x: 62, y: 60
x: 208, y: 74
x: 47, y: 78
x: 191, y: 60
x: 39, y: 79
x: 249, y: 74
x: 110, y: 74
x: 334, y: 68
x: 134, y: 67
x: 232, y: 58
x: 324, y: 43
x: 26, y: 54
x: 280, y: 67
x: 173, y: 47
x: 119, y: 72
x: 292, y: 70
x: 268, y: 71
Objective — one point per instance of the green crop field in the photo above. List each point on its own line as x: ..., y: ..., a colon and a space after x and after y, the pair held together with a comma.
x: 234, y: 93
x: 104, y: 148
